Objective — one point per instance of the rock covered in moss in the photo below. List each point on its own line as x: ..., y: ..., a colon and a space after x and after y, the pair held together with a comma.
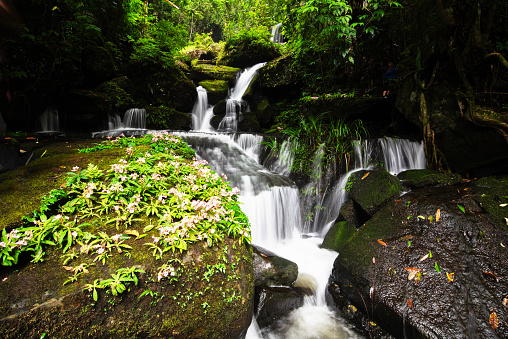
x: 200, y: 72
x: 167, y: 118
x: 117, y: 264
x: 338, y: 235
x: 248, y: 123
x: 424, y: 177
x: 492, y: 197
x: 432, y: 263
x: 211, y: 296
x: 217, y: 90
x: 371, y: 189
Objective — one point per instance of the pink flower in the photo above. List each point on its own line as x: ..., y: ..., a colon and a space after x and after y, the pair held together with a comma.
x: 75, y: 169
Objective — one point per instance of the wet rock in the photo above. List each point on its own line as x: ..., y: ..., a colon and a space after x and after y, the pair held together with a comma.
x: 457, y: 251
x: 264, y: 112
x: 272, y: 270
x: 352, y: 212
x: 248, y: 123
x: 424, y: 177
x: 248, y: 52
x: 217, y: 90
x: 272, y: 304
x: 360, y: 189
x: 338, y: 235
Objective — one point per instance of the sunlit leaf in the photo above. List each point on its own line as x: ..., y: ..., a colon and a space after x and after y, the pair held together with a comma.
x: 450, y: 276
x: 421, y: 217
x: 69, y: 268
x: 381, y: 242
x: 461, y: 208
x: 412, y: 272
x: 493, y: 320
x: 436, y: 266
x: 365, y: 176
x: 132, y: 232
x: 503, y: 205
x: 424, y: 257
x: 438, y: 215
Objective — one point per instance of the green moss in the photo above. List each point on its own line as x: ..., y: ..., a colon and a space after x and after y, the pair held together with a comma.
x: 338, y: 235
x: 425, y: 177
x: 215, y: 85
x: 217, y: 72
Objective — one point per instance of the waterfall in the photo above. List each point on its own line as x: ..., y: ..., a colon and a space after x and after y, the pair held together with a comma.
x: 114, y: 121
x: 201, y: 112
x: 276, y: 34
x: 234, y: 103
x: 401, y: 154
x: 135, y: 118
x: 48, y: 121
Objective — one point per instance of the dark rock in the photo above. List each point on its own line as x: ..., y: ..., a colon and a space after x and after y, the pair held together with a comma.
x: 338, y: 235
x: 167, y: 118
x: 424, y: 177
x: 83, y: 110
x: 272, y: 270
x: 374, y: 276
x: 272, y: 304
x: 371, y: 189
x: 492, y: 195
x: 215, y: 120
x: 248, y: 123
x: 468, y: 147
x: 172, y: 89
x: 220, y: 108
x: 264, y: 112
x: 248, y: 53
x: 350, y: 211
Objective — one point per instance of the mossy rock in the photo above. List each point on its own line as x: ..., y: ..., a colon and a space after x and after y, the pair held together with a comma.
x: 338, y: 235
x: 167, y: 118
x: 424, y: 177
x: 216, y: 90
x: 279, y: 72
x: 212, y: 285
x: 371, y: 189
x: 493, y: 197
x: 200, y: 72
x: 248, y: 123
x: 21, y: 189
x: 248, y: 52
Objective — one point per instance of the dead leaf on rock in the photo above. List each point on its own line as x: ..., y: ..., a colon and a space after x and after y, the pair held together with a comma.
x: 491, y: 275
x: 424, y: 257
x: 450, y: 276
x: 438, y: 215
x: 409, y: 303
x: 381, y: 242
x: 493, y: 319
x: 412, y: 272
x: 365, y: 176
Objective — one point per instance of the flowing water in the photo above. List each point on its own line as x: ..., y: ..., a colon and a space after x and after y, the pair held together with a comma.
x: 48, y: 121
x: 277, y: 209
x: 235, y: 105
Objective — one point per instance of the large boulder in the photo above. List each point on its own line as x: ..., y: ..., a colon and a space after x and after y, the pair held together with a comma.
x: 360, y: 186
x: 431, y: 264
x: 468, y: 143
x: 167, y: 118
x: 424, y: 177
x: 248, y: 52
x: 217, y: 90
x: 108, y: 279
x: 200, y: 72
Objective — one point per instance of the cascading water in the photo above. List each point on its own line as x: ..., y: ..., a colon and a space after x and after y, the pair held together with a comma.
x: 400, y: 155
x: 276, y: 34
x: 49, y: 121
x: 135, y: 118
x: 202, y: 112
x: 114, y: 121
x: 234, y: 103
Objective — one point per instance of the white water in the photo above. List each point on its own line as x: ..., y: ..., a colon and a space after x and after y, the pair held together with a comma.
x: 202, y: 112
x: 400, y: 155
x: 135, y: 118
x: 276, y: 34
x: 234, y: 103
x: 49, y: 121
